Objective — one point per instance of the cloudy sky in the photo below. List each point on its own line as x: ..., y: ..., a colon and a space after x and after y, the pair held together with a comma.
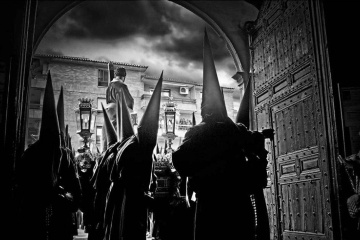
x: 159, y: 34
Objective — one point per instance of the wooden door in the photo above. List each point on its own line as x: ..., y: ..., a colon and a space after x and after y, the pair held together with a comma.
x: 286, y: 98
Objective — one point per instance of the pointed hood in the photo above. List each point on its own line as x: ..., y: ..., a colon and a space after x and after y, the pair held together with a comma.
x: 69, y: 144
x: 223, y: 96
x: 49, y: 121
x: 193, y: 119
x: 67, y: 136
x: 212, y: 98
x: 149, y: 124
x: 244, y: 109
x: 157, y: 149
x: 109, y: 129
x: 60, y: 114
x: 104, y: 141
x: 124, y: 125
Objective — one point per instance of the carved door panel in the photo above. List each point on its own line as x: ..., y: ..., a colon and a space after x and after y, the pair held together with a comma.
x: 286, y: 98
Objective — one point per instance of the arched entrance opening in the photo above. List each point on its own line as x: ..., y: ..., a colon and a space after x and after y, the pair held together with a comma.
x: 229, y: 32
x: 226, y: 29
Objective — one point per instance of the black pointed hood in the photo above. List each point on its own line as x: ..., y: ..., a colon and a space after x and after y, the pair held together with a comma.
x: 149, y: 124
x: 193, y: 119
x: 69, y: 145
x: 157, y: 149
x: 104, y: 141
x: 124, y: 125
x: 223, y: 96
x: 111, y: 137
x: 67, y: 137
x: 212, y: 97
x: 61, y: 118
x: 49, y: 131
x: 244, y: 109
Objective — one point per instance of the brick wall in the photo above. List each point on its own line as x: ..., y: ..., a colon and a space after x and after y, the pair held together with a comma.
x: 80, y: 79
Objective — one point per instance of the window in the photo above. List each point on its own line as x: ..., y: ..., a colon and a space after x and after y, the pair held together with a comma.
x: 98, y: 136
x: 102, y: 78
x: 101, y: 101
x: 164, y: 92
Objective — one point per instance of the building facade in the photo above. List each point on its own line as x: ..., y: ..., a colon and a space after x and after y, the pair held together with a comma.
x: 86, y: 78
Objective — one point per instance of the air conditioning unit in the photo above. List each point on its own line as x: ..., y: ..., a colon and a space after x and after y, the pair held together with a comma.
x: 184, y: 90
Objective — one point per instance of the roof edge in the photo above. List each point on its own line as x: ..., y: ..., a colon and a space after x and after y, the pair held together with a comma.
x: 87, y: 60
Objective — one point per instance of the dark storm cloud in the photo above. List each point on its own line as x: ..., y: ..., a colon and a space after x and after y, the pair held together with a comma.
x: 111, y: 20
x: 115, y: 20
x: 190, y: 48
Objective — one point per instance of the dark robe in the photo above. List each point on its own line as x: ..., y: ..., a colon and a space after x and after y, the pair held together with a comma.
x: 171, y: 213
x: 87, y: 196
x: 127, y: 202
x: 101, y: 184
x: 43, y: 177
x: 211, y: 156
x: 113, y: 91
x: 69, y: 197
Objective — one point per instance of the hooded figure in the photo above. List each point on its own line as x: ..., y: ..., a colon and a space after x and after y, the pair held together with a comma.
x: 101, y: 181
x: 69, y: 181
x: 132, y: 175
x: 209, y: 156
x: 38, y: 180
x: 254, y: 150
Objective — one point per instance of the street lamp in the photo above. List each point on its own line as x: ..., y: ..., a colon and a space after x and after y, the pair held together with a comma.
x: 85, y: 121
x: 170, y: 113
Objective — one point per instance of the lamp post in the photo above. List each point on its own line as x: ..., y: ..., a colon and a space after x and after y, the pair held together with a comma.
x: 85, y: 121
x: 170, y: 114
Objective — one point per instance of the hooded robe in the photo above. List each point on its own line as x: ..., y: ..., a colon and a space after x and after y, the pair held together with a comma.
x: 210, y: 157
x: 218, y: 176
x: 132, y: 175
x: 46, y: 188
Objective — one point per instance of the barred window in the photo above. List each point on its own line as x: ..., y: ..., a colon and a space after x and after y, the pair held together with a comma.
x: 102, y: 78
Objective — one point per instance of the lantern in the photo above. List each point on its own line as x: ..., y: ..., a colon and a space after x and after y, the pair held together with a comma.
x: 85, y: 119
